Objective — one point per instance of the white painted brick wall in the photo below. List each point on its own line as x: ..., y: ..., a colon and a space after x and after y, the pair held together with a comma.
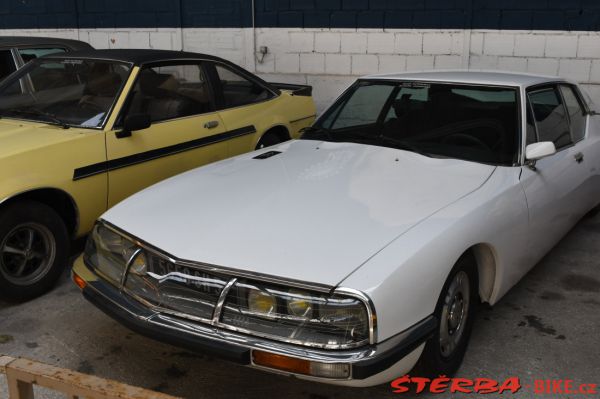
x: 529, y: 45
x: 331, y: 59
x: 380, y: 43
x: 437, y: 43
x: 364, y: 64
x: 561, y: 46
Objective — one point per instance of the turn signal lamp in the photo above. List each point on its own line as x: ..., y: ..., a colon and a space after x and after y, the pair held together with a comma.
x: 301, y: 366
x: 79, y: 281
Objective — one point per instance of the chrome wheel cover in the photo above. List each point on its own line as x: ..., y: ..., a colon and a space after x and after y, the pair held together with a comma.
x: 454, y: 313
x: 27, y: 253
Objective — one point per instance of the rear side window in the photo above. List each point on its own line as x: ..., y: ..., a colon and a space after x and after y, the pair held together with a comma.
x: 576, y: 114
x: 28, y: 54
x: 550, y: 116
x: 237, y: 90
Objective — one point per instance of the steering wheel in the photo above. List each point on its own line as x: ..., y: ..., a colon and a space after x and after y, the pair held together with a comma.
x: 467, y: 139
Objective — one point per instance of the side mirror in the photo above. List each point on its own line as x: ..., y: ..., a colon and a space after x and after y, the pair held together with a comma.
x: 540, y: 150
x: 134, y: 122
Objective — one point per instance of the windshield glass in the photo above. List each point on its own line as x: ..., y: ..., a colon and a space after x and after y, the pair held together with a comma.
x: 67, y: 92
x: 475, y: 123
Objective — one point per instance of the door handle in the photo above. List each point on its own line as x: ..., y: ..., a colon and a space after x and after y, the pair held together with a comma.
x: 579, y: 157
x: 211, y: 124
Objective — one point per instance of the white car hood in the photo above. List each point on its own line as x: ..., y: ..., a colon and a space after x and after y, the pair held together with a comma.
x: 315, y: 212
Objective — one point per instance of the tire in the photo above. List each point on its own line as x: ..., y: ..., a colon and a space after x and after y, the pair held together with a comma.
x: 268, y: 139
x: 593, y: 212
x: 34, y: 250
x: 444, y: 352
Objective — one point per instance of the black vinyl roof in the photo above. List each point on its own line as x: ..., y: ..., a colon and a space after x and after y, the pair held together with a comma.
x: 16, y: 41
x: 136, y: 56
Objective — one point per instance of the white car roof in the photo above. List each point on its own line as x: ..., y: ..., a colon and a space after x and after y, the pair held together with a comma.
x: 471, y: 77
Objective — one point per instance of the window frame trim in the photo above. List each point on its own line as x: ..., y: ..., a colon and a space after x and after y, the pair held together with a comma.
x: 582, y: 107
x: 118, y: 125
x: 219, y: 97
x: 556, y: 86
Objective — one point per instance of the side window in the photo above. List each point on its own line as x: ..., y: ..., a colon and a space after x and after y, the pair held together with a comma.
x: 576, y: 114
x: 237, y: 90
x: 170, y: 92
x: 7, y: 63
x: 363, y: 108
x: 550, y: 116
x: 28, y: 54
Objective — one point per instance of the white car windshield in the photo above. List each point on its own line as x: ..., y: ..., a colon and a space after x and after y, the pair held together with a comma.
x: 66, y: 92
x: 470, y: 122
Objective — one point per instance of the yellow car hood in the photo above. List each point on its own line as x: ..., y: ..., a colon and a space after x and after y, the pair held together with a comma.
x: 19, y: 136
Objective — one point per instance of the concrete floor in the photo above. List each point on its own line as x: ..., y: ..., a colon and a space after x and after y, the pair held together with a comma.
x: 546, y: 327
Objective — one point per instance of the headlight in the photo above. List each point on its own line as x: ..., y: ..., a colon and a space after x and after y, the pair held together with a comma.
x: 296, y: 316
x: 108, y: 252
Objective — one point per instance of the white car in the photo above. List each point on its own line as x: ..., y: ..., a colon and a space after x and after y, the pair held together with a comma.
x: 360, y: 251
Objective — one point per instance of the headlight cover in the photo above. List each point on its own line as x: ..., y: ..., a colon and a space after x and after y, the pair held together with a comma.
x: 296, y: 316
x: 108, y: 253
x: 340, y: 320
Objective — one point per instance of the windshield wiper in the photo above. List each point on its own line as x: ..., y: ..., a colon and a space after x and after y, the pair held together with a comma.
x: 38, y: 112
x: 312, y: 132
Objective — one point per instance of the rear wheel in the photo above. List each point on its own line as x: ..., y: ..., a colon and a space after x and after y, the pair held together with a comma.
x: 269, y: 139
x: 34, y: 249
x: 455, y: 311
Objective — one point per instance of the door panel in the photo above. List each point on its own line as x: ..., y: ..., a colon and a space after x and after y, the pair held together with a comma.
x: 185, y: 131
x: 555, y: 185
x: 242, y: 102
x: 163, y: 150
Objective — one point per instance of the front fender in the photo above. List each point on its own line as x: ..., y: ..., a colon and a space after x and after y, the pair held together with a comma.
x: 404, y: 280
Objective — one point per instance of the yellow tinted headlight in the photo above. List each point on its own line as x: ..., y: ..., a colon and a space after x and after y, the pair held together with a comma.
x: 261, y: 302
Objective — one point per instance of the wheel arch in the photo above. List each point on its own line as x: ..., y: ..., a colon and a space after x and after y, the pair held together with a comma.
x: 485, y: 259
x: 281, y: 130
x: 57, y: 199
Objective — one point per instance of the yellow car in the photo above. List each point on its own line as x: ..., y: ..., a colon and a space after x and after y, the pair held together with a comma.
x: 79, y: 132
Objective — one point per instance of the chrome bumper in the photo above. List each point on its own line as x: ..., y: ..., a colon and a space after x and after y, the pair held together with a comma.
x: 364, y: 362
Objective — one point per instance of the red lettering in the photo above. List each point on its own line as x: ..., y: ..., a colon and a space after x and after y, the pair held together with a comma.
x: 592, y: 388
x: 439, y: 385
x: 398, y: 386
x: 539, y: 386
x: 485, y: 385
x: 569, y: 386
x: 421, y: 383
x: 460, y: 385
x: 511, y: 384
x: 557, y: 386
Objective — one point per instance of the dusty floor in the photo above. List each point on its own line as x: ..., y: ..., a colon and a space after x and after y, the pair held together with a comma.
x: 546, y: 327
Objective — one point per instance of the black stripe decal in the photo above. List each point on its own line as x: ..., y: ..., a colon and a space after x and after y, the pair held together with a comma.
x: 118, y: 163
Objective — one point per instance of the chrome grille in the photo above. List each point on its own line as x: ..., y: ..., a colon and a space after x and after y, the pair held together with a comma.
x: 178, y: 289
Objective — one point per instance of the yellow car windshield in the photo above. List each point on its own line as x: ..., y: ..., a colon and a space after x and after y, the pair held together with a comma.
x: 67, y: 92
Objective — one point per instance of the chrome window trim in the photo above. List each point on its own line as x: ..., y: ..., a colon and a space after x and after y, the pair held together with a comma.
x: 235, y: 274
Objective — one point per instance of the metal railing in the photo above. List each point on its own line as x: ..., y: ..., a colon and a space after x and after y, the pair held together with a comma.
x: 23, y: 374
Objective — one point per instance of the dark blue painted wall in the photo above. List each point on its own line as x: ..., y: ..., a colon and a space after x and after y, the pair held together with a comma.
x: 432, y: 14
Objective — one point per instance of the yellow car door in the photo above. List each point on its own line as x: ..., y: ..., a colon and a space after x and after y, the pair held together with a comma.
x: 246, y: 106
x: 168, y: 125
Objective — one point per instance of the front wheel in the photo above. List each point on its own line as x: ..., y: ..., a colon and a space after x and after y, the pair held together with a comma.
x: 455, y: 311
x: 34, y: 250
